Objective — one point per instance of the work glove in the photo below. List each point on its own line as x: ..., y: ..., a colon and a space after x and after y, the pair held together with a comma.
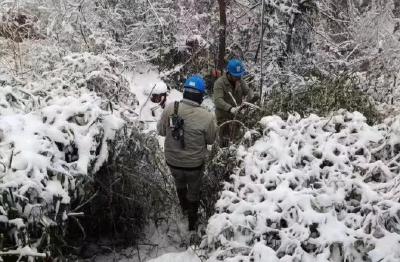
x: 234, y: 110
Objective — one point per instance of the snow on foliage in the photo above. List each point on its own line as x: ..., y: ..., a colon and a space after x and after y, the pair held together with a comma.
x: 83, y: 71
x: 54, y: 136
x: 312, y: 189
x: 361, y: 37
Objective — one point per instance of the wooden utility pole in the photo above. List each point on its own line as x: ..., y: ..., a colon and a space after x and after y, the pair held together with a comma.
x: 222, y: 34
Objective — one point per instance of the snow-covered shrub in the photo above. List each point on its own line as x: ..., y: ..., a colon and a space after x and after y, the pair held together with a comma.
x: 134, y: 187
x: 312, y: 189
x: 324, y: 95
x: 361, y: 37
x: 55, y: 136
x: 221, y: 164
x: 18, y: 25
x: 134, y: 31
x: 189, y: 51
x: 84, y: 72
x: 321, y: 96
x: 46, y: 155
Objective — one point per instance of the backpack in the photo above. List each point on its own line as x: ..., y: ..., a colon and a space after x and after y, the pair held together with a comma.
x: 176, y: 123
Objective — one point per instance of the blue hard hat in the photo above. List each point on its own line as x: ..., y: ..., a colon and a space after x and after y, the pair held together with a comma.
x: 196, y: 83
x: 236, y: 68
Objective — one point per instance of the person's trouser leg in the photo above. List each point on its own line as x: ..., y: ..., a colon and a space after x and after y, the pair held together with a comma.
x: 182, y: 192
x: 194, y: 178
x: 192, y: 215
x: 181, y: 187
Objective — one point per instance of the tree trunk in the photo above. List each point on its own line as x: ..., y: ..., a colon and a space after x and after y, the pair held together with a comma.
x: 222, y: 34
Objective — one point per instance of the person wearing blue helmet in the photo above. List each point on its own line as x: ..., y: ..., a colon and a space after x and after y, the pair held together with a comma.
x: 188, y: 129
x: 229, y: 92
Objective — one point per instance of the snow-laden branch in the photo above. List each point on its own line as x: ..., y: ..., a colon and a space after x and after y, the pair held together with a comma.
x: 158, y: 18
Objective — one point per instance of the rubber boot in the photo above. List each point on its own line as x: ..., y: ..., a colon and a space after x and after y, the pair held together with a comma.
x: 182, y: 192
x: 192, y: 215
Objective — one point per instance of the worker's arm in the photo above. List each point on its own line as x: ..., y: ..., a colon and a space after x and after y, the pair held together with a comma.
x: 219, y: 101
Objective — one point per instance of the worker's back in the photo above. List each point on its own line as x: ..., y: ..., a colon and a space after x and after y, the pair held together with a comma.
x: 199, y: 130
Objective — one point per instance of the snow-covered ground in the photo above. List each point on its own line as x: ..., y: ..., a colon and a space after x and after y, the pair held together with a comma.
x: 166, y: 238
x: 189, y: 255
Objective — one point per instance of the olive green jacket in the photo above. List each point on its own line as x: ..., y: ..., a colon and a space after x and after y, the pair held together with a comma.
x: 223, y: 100
x: 199, y: 131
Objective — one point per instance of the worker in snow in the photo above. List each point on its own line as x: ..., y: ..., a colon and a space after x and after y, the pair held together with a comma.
x: 158, y: 96
x: 188, y: 129
x: 229, y: 91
